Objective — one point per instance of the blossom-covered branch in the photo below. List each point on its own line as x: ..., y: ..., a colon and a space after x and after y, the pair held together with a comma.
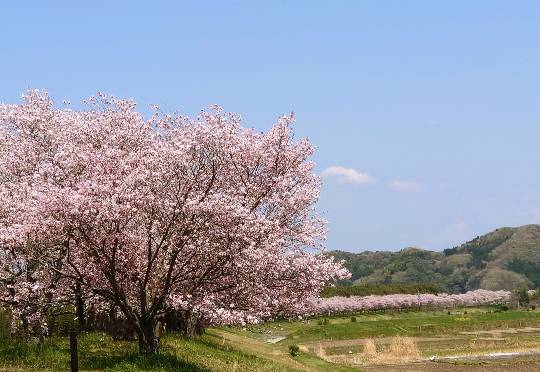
x: 198, y: 215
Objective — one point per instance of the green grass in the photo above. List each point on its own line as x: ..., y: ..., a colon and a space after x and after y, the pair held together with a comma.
x: 97, y: 352
x: 414, y: 323
x: 210, y: 352
x: 246, y: 349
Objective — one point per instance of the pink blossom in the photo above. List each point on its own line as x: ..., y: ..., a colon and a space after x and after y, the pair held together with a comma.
x: 332, y: 305
x: 158, y: 214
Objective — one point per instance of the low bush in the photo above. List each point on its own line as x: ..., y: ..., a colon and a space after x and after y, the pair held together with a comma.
x: 294, y: 350
x: 323, y: 321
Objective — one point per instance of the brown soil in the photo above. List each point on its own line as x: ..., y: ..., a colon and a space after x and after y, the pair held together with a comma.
x: 377, y: 340
x: 500, y: 331
x: 514, y: 365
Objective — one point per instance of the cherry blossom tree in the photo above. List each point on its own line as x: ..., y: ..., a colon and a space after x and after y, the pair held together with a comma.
x: 199, y: 216
x: 338, y: 304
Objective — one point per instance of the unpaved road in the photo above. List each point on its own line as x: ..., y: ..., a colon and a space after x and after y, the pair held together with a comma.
x: 524, y: 365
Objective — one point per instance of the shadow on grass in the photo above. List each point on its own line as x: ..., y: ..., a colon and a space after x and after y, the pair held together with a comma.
x: 55, y: 355
x: 126, y: 362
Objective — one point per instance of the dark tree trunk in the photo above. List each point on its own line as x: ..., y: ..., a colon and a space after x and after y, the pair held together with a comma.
x: 25, y: 328
x: 148, y: 337
x: 80, y: 308
x: 73, y: 349
x: 185, y: 322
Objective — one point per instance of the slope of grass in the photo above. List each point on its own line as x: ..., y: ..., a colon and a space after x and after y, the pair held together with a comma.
x: 218, y: 350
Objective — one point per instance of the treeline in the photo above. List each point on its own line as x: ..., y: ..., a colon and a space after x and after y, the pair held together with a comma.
x: 379, y: 289
x: 399, y: 301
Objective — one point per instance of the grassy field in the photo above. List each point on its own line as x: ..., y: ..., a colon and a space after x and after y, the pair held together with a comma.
x: 338, y: 343
x: 218, y: 350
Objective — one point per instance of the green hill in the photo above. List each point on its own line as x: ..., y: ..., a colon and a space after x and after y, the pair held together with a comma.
x: 506, y: 258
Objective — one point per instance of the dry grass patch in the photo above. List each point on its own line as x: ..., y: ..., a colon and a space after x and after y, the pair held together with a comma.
x: 319, y: 351
x: 370, y: 350
x: 399, y: 350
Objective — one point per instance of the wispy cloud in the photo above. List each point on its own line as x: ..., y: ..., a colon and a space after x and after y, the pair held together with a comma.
x: 407, y: 186
x: 348, y: 175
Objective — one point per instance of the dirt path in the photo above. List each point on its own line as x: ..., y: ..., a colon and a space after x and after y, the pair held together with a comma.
x: 259, y: 348
x: 500, y: 331
x: 510, y: 365
x: 377, y: 340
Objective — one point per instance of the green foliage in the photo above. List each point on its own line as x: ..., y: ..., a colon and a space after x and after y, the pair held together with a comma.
x: 60, y: 322
x: 381, y: 289
x: 501, y: 308
x: 323, y: 321
x: 530, y: 269
x: 294, y: 350
x: 512, y: 253
x: 409, y: 265
x: 5, y: 324
x: 353, y: 319
x: 521, y: 296
x: 450, y: 251
x: 480, y: 250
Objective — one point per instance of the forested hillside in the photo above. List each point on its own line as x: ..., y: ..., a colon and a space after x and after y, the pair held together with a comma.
x: 506, y: 258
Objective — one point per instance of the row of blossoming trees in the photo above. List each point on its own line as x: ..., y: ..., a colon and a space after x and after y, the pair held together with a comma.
x: 336, y: 305
x: 103, y: 209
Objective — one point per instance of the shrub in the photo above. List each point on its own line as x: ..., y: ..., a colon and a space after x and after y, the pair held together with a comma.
x: 353, y: 319
x: 294, y: 350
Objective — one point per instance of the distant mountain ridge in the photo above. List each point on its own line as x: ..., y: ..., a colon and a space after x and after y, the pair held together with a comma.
x: 506, y: 258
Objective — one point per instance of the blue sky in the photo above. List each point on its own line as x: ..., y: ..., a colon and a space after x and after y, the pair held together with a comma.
x: 426, y: 114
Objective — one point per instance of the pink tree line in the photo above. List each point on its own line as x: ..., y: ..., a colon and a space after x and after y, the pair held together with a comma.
x: 102, y: 208
x: 332, y: 305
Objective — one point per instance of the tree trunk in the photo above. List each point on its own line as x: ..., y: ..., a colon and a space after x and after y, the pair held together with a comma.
x: 188, y: 324
x: 25, y: 328
x: 73, y: 350
x: 148, y: 337
x: 80, y: 308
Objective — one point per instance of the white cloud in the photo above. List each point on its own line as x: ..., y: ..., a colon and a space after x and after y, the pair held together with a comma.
x: 348, y: 175
x: 406, y: 186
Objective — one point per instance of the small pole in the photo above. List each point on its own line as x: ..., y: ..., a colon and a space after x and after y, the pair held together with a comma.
x: 73, y: 351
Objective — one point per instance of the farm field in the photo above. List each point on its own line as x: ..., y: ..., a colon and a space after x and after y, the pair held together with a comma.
x: 372, y: 342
